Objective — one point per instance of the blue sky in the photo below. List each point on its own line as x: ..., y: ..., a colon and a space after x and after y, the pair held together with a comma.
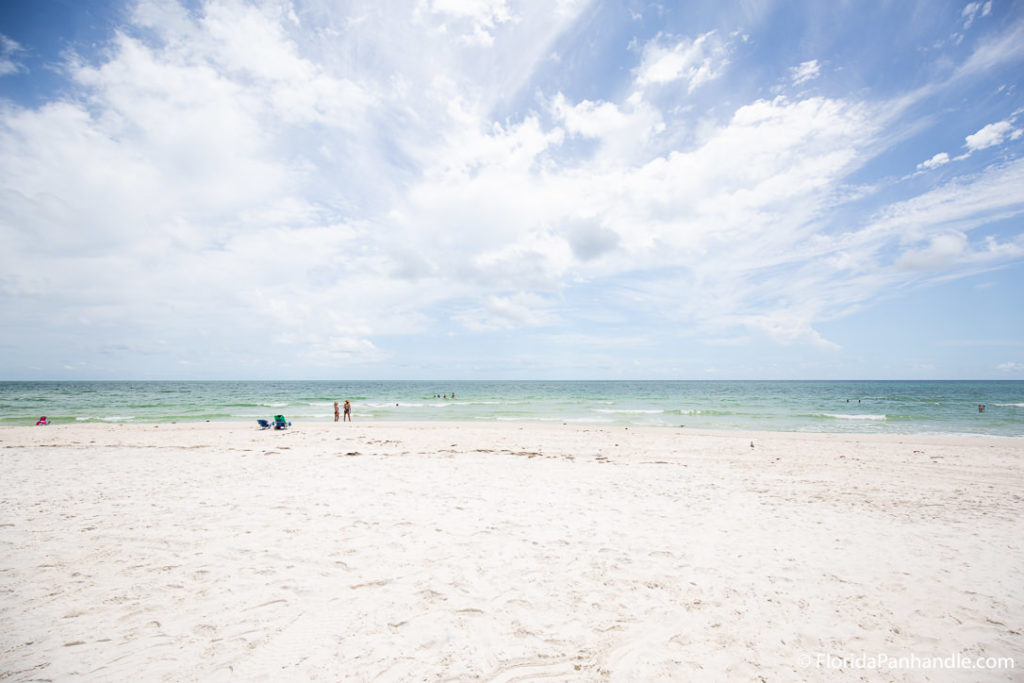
x: 501, y: 189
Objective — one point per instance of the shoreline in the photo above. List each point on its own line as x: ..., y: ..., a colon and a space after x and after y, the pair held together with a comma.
x: 218, y: 551
x: 520, y: 424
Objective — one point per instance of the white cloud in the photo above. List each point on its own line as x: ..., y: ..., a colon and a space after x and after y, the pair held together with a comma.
x: 175, y: 179
x: 991, y: 135
x: 805, y: 71
x: 623, y: 131
x: 940, y: 159
x: 931, y: 231
x: 250, y: 46
x: 734, y: 218
x: 9, y: 49
x: 973, y: 9
x: 787, y: 327
x: 694, y: 61
x: 515, y: 311
x: 965, y: 203
x: 477, y: 19
x: 742, y: 200
x: 992, y: 52
x: 941, y: 252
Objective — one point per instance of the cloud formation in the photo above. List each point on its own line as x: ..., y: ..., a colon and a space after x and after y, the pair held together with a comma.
x: 940, y: 159
x: 9, y: 50
x: 695, y: 62
x: 991, y: 135
x: 972, y: 10
x: 805, y: 71
x: 237, y: 181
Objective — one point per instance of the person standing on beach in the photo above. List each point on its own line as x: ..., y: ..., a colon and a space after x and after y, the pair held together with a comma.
x: 348, y: 411
x: 335, y: 411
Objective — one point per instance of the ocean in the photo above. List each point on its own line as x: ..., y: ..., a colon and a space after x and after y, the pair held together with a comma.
x: 882, y: 407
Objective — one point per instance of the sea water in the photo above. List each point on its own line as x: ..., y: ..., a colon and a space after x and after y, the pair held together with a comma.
x: 885, y: 407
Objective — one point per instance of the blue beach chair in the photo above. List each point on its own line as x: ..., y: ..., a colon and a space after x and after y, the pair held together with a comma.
x: 281, y: 423
x: 264, y: 424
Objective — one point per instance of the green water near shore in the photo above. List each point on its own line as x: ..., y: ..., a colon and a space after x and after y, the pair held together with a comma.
x: 808, y: 406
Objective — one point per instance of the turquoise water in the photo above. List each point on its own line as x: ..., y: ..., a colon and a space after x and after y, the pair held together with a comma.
x: 866, y: 407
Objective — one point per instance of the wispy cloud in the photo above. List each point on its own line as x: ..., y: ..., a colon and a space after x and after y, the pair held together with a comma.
x: 9, y: 50
x: 992, y: 135
x: 805, y: 71
x: 472, y: 21
x: 972, y: 10
x: 994, y: 51
x: 694, y: 61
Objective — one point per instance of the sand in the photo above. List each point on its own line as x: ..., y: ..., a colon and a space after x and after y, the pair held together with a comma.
x: 505, y: 552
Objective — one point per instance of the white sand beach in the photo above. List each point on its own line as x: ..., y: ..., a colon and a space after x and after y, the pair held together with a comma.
x: 504, y: 552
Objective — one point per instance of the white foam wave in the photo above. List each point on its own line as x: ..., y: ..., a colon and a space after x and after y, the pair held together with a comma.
x: 628, y: 412
x: 1010, y: 405
x: 841, y: 416
x: 527, y: 418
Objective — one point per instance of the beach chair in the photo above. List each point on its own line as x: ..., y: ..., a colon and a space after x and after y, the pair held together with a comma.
x: 281, y: 423
x: 264, y: 424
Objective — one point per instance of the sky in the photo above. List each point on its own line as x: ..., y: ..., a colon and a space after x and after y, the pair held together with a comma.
x: 511, y: 189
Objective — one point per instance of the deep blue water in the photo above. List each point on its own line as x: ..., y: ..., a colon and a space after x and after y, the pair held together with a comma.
x: 948, y: 407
